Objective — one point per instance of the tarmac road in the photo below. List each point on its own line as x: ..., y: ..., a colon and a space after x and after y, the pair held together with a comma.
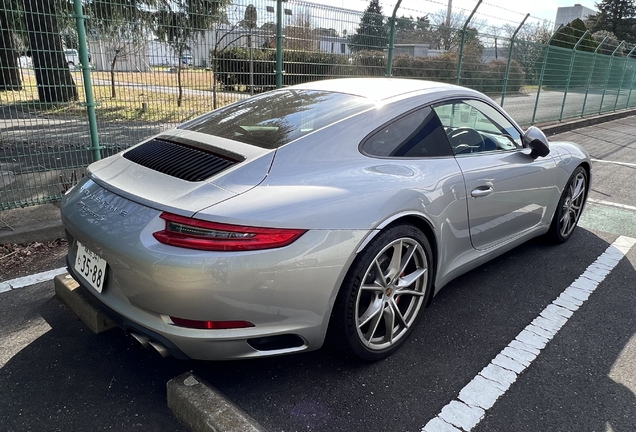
x: 56, y: 375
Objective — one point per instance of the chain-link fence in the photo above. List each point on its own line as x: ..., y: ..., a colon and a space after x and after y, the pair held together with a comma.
x: 146, y: 65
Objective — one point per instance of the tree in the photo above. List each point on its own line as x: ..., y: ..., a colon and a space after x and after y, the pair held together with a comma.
x: 9, y: 70
x: 616, y: 16
x: 372, y: 32
x: 569, y: 35
x: 412, y: 31
x: 224, y: 38
x: 54, y: 79
x: 121, y: 26
x: 528, y: 46
x: 444, y: 37
x: 179, y: 22
x: 299, y: 35
x: 611, y: 41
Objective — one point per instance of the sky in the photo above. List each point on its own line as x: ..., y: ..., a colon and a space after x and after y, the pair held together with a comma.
x: 494, y: 11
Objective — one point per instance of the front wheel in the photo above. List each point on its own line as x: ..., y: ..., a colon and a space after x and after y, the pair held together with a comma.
x: 383, y: 293
x: 570, y: 207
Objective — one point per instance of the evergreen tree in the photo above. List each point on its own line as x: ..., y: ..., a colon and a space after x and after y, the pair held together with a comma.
x: 616, y: 16
x: 372, y: 33
x: 568, y: 36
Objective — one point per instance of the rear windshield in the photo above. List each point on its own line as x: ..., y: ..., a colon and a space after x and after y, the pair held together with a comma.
x: 275, y: 118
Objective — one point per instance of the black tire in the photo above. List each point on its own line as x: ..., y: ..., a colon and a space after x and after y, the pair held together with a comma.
x: 361, y: 316
x: 568, y: 211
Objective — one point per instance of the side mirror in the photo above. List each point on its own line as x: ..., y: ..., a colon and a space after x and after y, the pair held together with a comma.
x: 536, y: 141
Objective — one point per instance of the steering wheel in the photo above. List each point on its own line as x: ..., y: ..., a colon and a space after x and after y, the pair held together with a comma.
x: 466, y: 140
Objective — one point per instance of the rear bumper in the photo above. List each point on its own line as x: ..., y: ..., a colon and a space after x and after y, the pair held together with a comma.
x: 124, y: 323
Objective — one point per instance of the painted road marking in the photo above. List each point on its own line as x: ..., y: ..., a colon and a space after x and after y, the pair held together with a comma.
x: 612, y: 204
x: 30, y: 279
x: 480, y: 394
x: 627, y: 164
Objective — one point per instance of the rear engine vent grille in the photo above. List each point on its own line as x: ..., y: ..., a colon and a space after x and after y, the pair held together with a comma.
x: 177, y: 160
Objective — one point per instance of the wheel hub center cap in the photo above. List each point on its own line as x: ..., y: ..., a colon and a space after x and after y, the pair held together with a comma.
x: 389, y: 292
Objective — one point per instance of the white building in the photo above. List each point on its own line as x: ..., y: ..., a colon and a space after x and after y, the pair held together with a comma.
x: 567, y: 14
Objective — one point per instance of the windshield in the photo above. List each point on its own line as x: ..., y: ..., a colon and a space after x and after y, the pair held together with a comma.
x: 278, y: 117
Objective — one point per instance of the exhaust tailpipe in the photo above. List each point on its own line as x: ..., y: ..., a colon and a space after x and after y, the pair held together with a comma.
x: 159, y: 348
x: 143, y: 340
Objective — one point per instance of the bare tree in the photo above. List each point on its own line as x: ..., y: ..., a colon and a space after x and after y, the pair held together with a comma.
x: 299, y: 35
x: 179, y: 22
x: 121, y: 26
x: 225, y: 36
x: 444, y: 36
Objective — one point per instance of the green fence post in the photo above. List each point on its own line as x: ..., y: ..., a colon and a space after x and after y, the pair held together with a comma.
x: 589, y: 78
x: 609, y: 72
x: 567, y: 82
x: 389, y: 64
x: 512, y: 41
x: 545, y: 61
x: 95, y: 148
x: 279, y: 43
x: 630, y: 89
x: 620, y: 86
x: 461, y: 47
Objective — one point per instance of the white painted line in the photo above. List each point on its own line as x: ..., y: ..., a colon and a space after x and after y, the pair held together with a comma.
x: 30, y: 279
x: 480, y: 394
x: 611, y: 204
x: 627, y: 164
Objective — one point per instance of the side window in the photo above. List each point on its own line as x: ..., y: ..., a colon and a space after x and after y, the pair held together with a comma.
x: 418, y: 134
x: 473, y: 126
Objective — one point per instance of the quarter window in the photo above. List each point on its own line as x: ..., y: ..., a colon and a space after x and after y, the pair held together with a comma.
x: 418, y: 134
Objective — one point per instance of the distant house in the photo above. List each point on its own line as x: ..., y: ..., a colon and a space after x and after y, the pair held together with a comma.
x: 416, y: 50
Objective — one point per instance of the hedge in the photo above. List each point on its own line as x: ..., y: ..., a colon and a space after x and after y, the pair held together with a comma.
x: 232, y: 66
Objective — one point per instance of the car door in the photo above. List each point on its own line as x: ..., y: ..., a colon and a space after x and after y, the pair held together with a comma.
x: 416, y: 143
x: 508, y: 192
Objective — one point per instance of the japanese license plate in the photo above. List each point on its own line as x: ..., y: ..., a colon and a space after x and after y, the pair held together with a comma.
x: 91, y: 266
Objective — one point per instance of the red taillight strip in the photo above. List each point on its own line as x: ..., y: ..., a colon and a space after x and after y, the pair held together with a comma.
x: 203, y: 235
x: 211, y: 325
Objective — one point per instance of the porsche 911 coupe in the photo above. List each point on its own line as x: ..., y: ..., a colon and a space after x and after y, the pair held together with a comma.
x: 333, y: 210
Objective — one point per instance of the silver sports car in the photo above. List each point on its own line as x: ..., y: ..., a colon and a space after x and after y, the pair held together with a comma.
x: 330, y: 210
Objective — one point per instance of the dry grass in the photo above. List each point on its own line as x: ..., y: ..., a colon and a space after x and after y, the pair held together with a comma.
x: 197, y: 79
x: 152, y: 97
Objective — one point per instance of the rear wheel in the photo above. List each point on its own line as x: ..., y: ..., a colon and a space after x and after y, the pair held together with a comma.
x: 383, y: 294
x: 570, y: 207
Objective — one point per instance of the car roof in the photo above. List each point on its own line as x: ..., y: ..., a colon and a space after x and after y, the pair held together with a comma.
x: 378, y: 88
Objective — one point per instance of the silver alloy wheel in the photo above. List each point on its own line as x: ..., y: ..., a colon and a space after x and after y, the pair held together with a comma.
x: 572, y: 205
x: 391, y: 294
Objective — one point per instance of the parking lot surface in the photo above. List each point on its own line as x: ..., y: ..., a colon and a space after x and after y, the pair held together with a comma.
x: 56, y: 375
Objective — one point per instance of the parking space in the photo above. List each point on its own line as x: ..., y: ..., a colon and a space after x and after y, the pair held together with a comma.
x: 56, y: 375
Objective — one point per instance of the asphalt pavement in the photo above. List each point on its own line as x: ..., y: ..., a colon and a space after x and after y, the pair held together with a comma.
x: 57, y: 375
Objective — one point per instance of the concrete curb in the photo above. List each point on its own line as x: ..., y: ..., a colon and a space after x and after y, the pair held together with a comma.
x: 204, y: 409
x: 555, y: 128
x: 67, y: 292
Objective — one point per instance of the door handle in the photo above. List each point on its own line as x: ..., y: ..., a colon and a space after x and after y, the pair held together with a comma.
x: 482, y: 191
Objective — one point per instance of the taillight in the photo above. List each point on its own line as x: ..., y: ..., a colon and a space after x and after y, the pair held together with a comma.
x: 210, y: 325
x: 203, y: 235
